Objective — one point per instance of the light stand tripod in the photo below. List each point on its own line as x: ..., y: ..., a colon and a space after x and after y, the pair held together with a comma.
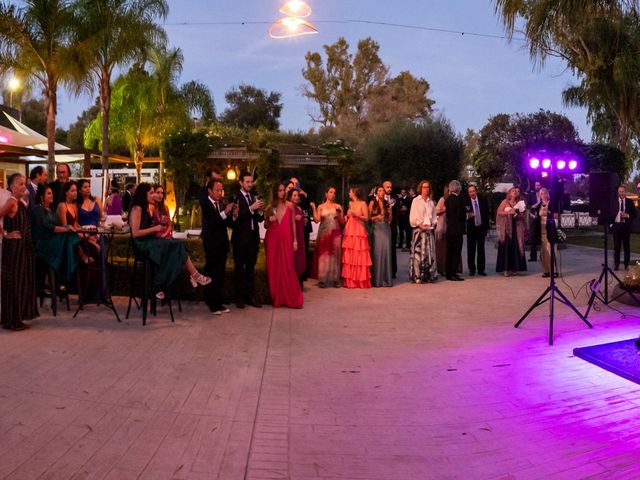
x: 553, y: 290
x: 606, y: 271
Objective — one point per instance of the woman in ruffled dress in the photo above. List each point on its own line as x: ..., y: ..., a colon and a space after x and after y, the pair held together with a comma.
x: 356, y: 255
x: 330, y: 216
x: 423, y: 220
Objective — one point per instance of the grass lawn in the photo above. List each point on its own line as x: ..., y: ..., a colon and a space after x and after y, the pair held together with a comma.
x: 595, y: 238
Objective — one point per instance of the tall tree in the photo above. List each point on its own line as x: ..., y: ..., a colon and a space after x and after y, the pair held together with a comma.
x: 252, y: 107
x: 113, y: 33
x: 34, y: 43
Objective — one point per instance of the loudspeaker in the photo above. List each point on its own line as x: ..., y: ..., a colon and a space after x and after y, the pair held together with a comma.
x: 603, y: 192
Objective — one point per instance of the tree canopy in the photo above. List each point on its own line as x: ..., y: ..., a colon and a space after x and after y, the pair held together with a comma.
x: 252, y: 107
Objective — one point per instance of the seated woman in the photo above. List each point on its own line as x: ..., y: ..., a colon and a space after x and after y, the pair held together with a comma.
x: 167, y: 254
x: 54, y: 244
x: 18, y: 270
x: 161, y: 212
x: 88, y: 250
x: 113, y: 203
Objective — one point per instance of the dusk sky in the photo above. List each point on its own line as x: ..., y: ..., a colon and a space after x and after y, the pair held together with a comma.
x: 471, y: 77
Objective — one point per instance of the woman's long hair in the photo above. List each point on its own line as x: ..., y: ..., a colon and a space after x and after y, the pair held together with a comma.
x: 79, y: 199
x: 139, y: 198
x: 274, y: 195
x: 65, y: 188
x: 161, y: 206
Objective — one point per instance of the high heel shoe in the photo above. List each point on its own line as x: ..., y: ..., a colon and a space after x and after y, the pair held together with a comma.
x: 198, y: 279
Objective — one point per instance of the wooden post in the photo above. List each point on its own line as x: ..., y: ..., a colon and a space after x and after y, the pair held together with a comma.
x: 86, y: 164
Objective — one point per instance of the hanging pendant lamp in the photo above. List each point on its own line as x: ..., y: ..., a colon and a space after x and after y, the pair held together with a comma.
x: 296, y: 8
x: 291, y: 27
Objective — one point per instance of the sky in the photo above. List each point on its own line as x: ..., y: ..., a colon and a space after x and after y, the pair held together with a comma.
x: 471, y: 77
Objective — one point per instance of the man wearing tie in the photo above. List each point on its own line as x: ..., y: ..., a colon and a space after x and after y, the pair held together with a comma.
x: 621, y: 228
x: 215, y: 241
x: 477, y: 228
x: 247, y: 213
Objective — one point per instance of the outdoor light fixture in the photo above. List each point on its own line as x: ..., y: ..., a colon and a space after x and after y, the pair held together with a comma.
x: 231, y: 174
x: 3, y: 139
x: 573, y: 164
x: 296, y: 8
x: 534, y: 163
x: 14, y: 84
x: 546, y: 163
x: 560, y: 161
x: 561, y: 164
x: 291, y: 27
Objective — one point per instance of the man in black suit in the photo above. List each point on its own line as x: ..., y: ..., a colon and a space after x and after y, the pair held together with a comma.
x: 394, y: 205
x: 456, y: 218
x: 127, y: 196
x: 215, y: 240
x: 404, y: 228
x: 533, y: 202
x: 621, y: 227
x: 478, y: 223
x: 63, y: 174
x: 212, y: 174
x: 37, y: 178
x: 247, y: 213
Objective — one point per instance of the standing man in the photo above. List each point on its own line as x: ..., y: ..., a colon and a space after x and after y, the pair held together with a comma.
x: 212, y: 174
x: 63, y: 174
x: 622, y: 227
x: 535, y: 229
x: 456, y: 218
x: 394, y: 206
x: 477, y: 227
x: 37, y: 178
x: 126, y: 197
x: 215, y: 240
x: 405, y: 232
x: 247, y: 213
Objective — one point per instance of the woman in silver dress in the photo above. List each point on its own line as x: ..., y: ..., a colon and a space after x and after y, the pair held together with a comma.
x: 380, y: 215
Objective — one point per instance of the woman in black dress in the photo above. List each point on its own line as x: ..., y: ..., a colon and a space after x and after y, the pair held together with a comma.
x: 18, y: 261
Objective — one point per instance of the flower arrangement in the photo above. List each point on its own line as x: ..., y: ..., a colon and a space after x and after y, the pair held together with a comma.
x: 562, y: 237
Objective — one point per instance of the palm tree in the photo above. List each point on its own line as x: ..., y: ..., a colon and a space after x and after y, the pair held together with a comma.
x: 35, y: 44
x: 114, y: 33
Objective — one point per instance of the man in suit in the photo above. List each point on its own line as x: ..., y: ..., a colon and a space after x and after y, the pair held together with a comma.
x: 533, y: 202
x: 215, y: 240
x: 63, y: 175
x: 212, y: 174
x: 478, y: 223
x: 456, y: 218
x: 394, y: 205
x: 621, y: 227
x: 404, y: 228
x: 127, y: 196
x: 37, y: 178
x: 247, y: 213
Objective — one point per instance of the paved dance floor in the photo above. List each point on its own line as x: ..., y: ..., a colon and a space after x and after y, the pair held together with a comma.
x: 409, y: 382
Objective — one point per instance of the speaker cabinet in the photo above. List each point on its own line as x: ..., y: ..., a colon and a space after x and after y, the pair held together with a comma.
x: 603, y: 192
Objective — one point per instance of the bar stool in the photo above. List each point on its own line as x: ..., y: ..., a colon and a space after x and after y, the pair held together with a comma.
x: 53, y: 294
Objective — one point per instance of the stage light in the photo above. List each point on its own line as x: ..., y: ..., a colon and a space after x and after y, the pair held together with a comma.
x: 534, y: 163
x: 546, y: 163
x: 573, y: 165
x: 561, y: 164
x: 544, y: 174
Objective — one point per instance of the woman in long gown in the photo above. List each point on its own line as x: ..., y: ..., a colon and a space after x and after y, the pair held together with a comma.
x: 329, y: 239
x: 168, y: 255
x: 161, y: 212
x: 54, y: 244
x: 18, y: 260
x: 510, y: 224
x: 380, y: 214
x: 300, y: 255
x: 280, y: 243
x: 423, y: 219
x: 544, y: 211
x: 356, y: 252
x: 441, y: 235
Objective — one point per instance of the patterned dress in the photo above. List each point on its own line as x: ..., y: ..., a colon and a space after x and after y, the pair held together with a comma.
x: 18, y: 272
x: 329, y: 248
x: 422, y: 261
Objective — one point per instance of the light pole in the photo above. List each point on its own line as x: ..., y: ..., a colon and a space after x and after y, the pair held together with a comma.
x: 14, y: 86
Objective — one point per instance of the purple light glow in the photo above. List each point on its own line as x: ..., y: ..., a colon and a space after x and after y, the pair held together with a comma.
x: 573, y: 165
x: 546, y: 163
x: 534, y: 163
x: 561, y: 164
x: 3, y: 139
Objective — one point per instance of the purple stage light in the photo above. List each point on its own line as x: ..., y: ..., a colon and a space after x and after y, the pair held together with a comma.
x: 546, y: 163
x: 534, y: 163
x: 573, y: 165
x: 561, y: 164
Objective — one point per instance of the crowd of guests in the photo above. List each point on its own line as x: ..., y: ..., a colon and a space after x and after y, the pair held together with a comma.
x: 54, y: 226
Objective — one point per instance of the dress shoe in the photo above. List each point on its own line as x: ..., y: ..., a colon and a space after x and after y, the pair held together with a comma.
x: 546, y: 275
x: 472, y: 274
x: 455, y: 279
x: 254, y: 304
x: 240, y: 305
x: 216, y: 312
x: 482, y: 274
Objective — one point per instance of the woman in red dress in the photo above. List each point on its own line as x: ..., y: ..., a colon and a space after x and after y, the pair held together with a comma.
x: 280, y: 243
x: 356, y: 256
x: 300, y: 255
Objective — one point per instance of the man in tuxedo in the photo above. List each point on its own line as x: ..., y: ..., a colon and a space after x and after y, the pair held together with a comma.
x: 404, y: 228
x: 203, y: 194
x: 63, y: 174
x: 215, y: 240
x: 533, y: 201
x: 621, y: 227
x: 478, y: 224
x: 394, y: 205
x: 247, y: 213
x: 37, y: 178
x: 456, y: 218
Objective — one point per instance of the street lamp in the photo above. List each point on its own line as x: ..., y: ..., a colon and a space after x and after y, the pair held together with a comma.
x: 14, y: 86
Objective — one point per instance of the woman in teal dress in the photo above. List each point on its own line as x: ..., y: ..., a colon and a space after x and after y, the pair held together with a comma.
x: 168, y: 255
x: 54, y: 244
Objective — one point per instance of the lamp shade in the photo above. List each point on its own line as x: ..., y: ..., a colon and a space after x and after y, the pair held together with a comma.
x: 291, y: 27
x: 296, y: 8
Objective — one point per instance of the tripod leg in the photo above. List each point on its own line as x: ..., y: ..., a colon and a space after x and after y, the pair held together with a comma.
x: 566, y: 301
x: 593, y: 292
x: 551, y: 302
x: 535, y: 304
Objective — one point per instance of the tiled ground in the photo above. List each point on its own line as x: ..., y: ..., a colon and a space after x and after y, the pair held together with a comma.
x: 413, y: 382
